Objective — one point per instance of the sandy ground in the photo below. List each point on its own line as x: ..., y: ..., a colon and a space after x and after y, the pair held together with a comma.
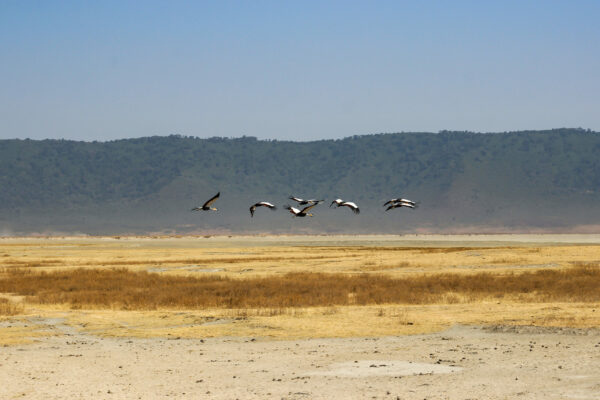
x: 459, y: 363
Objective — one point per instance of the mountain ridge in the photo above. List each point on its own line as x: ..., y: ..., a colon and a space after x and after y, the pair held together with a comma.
x: 509, y: 181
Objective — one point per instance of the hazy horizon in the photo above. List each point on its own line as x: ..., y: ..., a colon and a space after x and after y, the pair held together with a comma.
x: 299, y: 140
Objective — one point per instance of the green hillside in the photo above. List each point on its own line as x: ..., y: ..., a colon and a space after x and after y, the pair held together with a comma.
x: 502, y: 181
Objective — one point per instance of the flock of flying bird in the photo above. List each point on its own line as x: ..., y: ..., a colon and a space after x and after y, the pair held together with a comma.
x: 393, y: 203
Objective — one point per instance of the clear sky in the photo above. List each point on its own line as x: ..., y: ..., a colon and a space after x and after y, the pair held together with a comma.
x: 304, y: 70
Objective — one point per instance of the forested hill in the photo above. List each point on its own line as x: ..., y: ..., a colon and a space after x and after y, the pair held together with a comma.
x: 489, y: 182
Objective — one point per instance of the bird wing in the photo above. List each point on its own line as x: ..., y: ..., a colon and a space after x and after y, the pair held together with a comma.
x: 352, y: 206
x: 404, y: 201
x: 265, y: 204
x: 399, y: 205
x: 305, y: 209
x: 212, y: 199
x: 389, y: 202
x: 299, y: 200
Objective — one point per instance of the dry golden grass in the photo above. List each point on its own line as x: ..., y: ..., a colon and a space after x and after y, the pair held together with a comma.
x: 140, y: 290
x: 336, y: 321
x: 295, y: 287
x: 187, y: 257
x: 18, y: 333
x: 8, y: 308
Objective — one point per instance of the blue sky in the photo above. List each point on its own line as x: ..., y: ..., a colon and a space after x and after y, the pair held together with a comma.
x: 295, y: 70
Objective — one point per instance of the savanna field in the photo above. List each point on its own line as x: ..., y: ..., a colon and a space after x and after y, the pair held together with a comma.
x: 295, y: 286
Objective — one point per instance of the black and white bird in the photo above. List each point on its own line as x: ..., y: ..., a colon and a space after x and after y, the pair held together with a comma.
x: 261, y: 204
x: 349, y: 204
x: 303, y: 202
x: 394, y: 201
x: 300, y: 213
x: 206, y: 206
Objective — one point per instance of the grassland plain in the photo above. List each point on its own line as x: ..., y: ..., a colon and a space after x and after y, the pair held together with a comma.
x: 296, y: 286
x: 298, y: 317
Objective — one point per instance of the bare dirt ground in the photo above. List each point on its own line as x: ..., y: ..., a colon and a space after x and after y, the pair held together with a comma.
x: 459, y: 363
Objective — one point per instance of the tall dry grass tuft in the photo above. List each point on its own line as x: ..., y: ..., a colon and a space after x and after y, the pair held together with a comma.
x: 8, y: 308
x: 124, y: 289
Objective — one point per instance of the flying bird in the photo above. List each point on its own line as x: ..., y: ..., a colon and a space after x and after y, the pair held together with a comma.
x: 261, y: 204
x: 300, y: 213
x: 206, y: 206
x: 303, y: 202
x: 405, y: 201
x: 351, y: 206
